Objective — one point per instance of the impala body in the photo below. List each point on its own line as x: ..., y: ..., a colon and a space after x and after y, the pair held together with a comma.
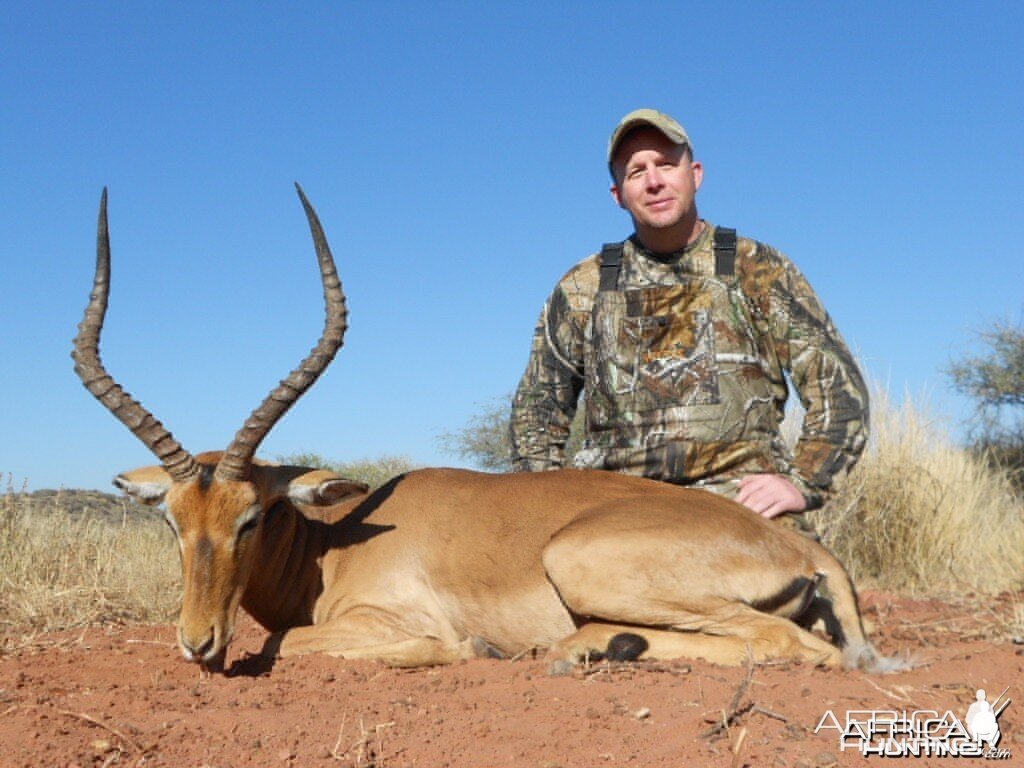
x: 444, y: 564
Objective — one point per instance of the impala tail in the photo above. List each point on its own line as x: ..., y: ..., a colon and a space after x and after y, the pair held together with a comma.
x: 843, y: 621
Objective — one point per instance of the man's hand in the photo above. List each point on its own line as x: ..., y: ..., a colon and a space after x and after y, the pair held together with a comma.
x: 770, y: 495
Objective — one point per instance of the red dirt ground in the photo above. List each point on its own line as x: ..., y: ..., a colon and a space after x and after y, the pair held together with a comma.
x: 123, y: 696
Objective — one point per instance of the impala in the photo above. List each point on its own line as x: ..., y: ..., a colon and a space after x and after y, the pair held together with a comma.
x: 447, y: 564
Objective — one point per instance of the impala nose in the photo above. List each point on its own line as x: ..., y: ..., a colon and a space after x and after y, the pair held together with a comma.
x: 197, y: 649
x: 201, y: 650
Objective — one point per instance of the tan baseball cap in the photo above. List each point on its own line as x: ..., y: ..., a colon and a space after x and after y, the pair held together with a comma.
x: 672, y: 130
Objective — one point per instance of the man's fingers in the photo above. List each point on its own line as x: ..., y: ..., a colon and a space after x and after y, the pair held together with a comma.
x: 770, y: 495
x: 774, y: 510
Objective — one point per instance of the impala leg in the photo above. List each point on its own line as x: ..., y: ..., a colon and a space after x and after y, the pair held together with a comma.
x: 769, y: 636
x: 414, y: 652
x: 686, y: 584
x: 726, y: 643
x: 371, y: 636
x: 596, y: 639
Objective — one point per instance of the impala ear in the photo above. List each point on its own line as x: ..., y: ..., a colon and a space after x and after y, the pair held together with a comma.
x: 147, y: 485
x: 321, y: 488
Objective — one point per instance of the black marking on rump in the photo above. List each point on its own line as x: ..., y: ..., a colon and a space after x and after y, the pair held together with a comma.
x: 801, y: 588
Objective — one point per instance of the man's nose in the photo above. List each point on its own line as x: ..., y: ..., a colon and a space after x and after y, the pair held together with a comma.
x: 655, y: 179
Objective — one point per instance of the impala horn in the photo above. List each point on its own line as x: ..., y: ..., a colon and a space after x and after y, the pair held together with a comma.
x: 178, y: 462
x: 236, y: 460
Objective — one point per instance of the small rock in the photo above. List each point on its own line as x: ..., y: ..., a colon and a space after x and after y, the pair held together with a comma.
x: 795, y: 732
x: 643, y: 713
x: 825, y: 760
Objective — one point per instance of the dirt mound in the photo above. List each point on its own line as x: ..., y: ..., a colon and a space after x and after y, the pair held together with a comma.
x: 123, y: 696
x: 107, y: 507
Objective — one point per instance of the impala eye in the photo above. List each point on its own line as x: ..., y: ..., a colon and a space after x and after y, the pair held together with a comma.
x: 250, y: 521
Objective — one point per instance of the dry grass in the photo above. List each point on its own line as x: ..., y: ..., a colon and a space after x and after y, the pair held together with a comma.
x: 373, y: 472
x: 62, y: 570
x: 920, y: 515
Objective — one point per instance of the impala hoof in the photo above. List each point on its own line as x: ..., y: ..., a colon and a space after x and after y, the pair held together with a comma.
x: 626, y: 646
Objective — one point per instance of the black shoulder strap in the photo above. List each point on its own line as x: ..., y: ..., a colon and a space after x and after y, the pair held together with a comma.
x: 611, y: 260
x: 725, y: 258
x: 725, y: 252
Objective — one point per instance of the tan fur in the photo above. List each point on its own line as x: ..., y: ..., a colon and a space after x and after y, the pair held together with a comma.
x: 441, y: 563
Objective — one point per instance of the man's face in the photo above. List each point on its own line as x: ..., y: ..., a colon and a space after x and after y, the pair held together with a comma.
x: 657, y: 182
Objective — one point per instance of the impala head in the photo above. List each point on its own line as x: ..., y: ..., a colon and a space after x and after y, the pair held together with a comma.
x: 216, y: 503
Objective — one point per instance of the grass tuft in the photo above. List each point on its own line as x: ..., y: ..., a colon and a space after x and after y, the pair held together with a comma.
x: 64, y: 569
x: 921, y: 515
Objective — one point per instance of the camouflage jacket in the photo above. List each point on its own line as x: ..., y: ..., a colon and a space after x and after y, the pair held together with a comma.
x: 684, y: 372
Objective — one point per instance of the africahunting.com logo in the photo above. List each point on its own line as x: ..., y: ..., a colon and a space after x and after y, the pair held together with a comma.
x: 922, y: 732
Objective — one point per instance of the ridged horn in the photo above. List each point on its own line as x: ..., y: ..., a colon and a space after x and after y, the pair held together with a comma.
x: 234, y: 465
x: 178, y: 462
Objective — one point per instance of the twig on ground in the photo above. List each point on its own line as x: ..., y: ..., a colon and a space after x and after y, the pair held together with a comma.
x: 890, y: 694
x: 737, y: 747
x: 162, y: 643
x: 745, y: 685
x: 531, y: 652
x: 735, y: 711
x: 631, y: 668
x: 91, y: 721
x: 366, y: 754
x: 758, y: 709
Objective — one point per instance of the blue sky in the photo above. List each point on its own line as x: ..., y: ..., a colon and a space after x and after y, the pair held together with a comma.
x: 454, y: 152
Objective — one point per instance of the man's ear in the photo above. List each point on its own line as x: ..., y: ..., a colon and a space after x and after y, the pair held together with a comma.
x: 698, y: 173
x: 616, y: 195
x: 321, y: 488
x: 147, y: 485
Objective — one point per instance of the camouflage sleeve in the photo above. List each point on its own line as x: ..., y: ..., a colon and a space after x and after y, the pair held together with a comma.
x: 546, y: 399
x: 826, y: 378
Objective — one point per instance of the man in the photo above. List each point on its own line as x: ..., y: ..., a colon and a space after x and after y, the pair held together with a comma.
x: 681, y: 340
